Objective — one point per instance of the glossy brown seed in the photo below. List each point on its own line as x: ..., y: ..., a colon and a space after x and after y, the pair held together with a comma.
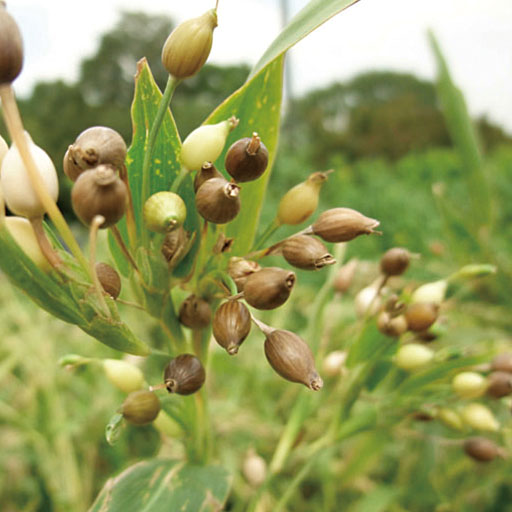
x: 240, y: 269
x: 195, y: 312
x: 306, y: 253
x: 269, y: 288
x: 11, y: 47
x: 207, y: 172
x: 99, y: 191
x: 184, y: 374
x: 247, y: 159
x: 218, y: 201
x: 421, y: 315
x: 502, y: 362
x: 342, y: 225
x: 140, y: 407
x: 482, y: 449
x: 290, y: 356
x: 109, y: 279
x: 231, y: 325
x: 393, y: 326
x: 499, y: 384
x: 395, y: 261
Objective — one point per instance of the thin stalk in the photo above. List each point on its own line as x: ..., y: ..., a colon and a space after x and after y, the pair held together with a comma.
x: 131, y: 226
x: 44, y: 244
x: 120, y: 242
x: 170, y: 87
x: 179, y: 179
x: 97, y: 221
x: 269, y: 231
x: 16, y: 131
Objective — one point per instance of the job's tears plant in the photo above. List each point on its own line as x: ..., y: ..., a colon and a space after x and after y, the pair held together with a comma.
x: 182, y: 221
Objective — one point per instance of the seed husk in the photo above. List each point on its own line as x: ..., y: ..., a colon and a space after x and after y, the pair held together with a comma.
x: 395, y: 261
x: 218, y: 201
x: 184, y: 374
x: 268, y: 288
x: 71, y: 169
x: 290, y: 356
x: 175, y: 246
x: 247, y: 159
x: 140, y: 407
x: 195, y: 312
x: 421, y: 315
x: 109, y: 279
x: 393, y: 326
x: 306, y: 253
x: 240, y: 269
x: 231, y: 325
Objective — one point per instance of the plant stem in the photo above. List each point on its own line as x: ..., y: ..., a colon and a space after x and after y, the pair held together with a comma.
x: 44, y: 244
x: 179, y: 179
x: 97, y: 221
x: 269, y: 231
x: 131, y: 226
x: 120, y: 242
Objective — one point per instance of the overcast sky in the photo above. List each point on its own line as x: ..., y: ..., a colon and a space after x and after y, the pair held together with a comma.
x: 475, y: 35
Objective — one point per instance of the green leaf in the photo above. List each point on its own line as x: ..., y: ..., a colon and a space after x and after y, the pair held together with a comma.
x: 165, y: 485
x: 308, y: 19
x: 370, y: 345
x: 377, y: 500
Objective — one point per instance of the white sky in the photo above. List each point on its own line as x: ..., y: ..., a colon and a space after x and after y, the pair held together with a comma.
x: 475, y: 35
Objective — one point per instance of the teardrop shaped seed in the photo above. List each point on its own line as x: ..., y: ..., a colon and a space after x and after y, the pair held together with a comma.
x: 218, y: 201
x: 342, y: 225
x: 207, y: 172
x: 184, y: 374
x: 268, y: 288
x: 231, y: 325
x: 306, y: 253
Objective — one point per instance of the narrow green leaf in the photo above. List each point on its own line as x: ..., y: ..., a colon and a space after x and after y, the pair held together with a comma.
x: 370, y: 345
x: 163, y: 486
x: 314, y: 14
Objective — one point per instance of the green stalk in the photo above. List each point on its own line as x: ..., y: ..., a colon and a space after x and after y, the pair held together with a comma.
x: 269, y: 231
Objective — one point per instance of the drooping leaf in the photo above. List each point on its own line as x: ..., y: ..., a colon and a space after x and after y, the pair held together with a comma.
x: 163, y: 486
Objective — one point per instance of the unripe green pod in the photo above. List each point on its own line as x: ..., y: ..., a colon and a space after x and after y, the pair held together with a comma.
x: 231, y: 325
x: 207, y: 172
x: 269, y: 288
x: 246, y: 159
x: 482, y: 449
x: 240, y: 269
x: 11, y: 47
x: 23, y: 233
x: 395, y: 261
x: 218, y: 200
x: 469, y: 384
x: 393, y: 326
x: 430, y: 292
x: 499, y: 384
x: 140, y: 407
x: 450, y: 418
x: 19, y: 195
x: 342, y: 225
x: 123, y: 375
x: 290, y: 356
x: 99, y: 191
x: 187, y: 48
x: 195, y: 312
x: 502, y: 362
x: 306, y: 253
x: 421, y: 315
x: 164, y: 211
x: 184, y: 374
x: 413, y: 356
x: 480, y: 417
x: 3, y: 149
x: 205, y: 144
x: 109, y: 279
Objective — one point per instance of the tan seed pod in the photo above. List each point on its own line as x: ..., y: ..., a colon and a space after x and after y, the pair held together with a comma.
x: 184, y: 374
x: 499, y: 384
x: 482, y: 449
x: 393, y: 326
x: 207, y: 172
x: 345, y: 276
x: 240, y: 269
x: 140, y: 407
x: 231, y: 325
x: 218, y: 201
x: 342, y: 225
x: 109, y: 279
x: 269, y: 288
x: 290, y: 356
x: 99, y: 191
x: 195, y: 312
x: 395, y: 261
x: 502, y: 362
x: 421, y: 315
x: 306, y: 253
x: 11, y: 47
x: 246, y: 159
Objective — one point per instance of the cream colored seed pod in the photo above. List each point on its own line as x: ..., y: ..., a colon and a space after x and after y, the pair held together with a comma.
x: 123, y: 375
x: 3, y: 149
x: 433, y: 293
x: 413, y: 356
x: 19, y: 194
x: 480, y: 417
x: 469, y: 384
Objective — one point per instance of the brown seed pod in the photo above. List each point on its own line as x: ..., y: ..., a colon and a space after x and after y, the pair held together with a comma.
x: 290, y: 356
x: 499, y: 384
x: 11, y: 47
x: 195, y: 312
x: 98, y: 145
x: 345, y: 276
x: 71, y: 169
x: 231, y: 325
x: 482, y: 449
x: 207, y: 172
x: 502, y: 362
x: 269, y: 288
x: 395, y: 261
x: 140, y: 407
x: 218, y: 201
x: 421, y: 315
x: 393, y: 326
x: 240, y: 269
x: 109, y: 279
x: 99, y: 191
x: 175, y: 246
x: 184, y: 374
x: 247, y: 159
x: 342, y: 225
x: 306, y: 253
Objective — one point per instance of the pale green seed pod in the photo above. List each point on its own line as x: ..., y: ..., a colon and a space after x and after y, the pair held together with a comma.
x: 21, y: 230
x: 140, y: 407
x: 413, y: 356
x: 450, y: 418
x: 368, y: 301
x: 3, y: 149
x: 469, y: 384
x: 254, y: 468
x: 123, y: 375
x: 19, y: 195
x: 164, y: 212
x: 479, y: 417
x: 187, y: 48
x: 434, y: 293
x: 205, y: 144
